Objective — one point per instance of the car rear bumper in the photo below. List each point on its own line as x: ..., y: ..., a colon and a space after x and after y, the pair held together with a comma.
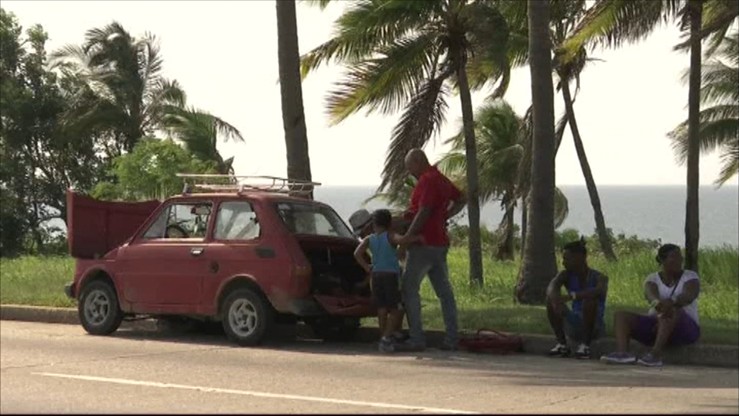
x: 69, y: 290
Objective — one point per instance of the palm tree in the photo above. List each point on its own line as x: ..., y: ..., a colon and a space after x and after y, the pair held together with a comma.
x: 198, y: 131
x: 408, y: 54
x: 719, y: 122
x: 503, y: 143
x: 539, y: 262
x: 291, y: 91
x: 123, y: 76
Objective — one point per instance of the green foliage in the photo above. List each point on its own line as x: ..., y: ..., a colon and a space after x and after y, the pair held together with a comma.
x: 149, y: 171
x: 65, y: 120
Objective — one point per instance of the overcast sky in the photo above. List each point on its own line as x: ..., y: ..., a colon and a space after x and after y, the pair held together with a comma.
x: 224, y: 53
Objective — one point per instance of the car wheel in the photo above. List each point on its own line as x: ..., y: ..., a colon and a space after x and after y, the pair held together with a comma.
x: 246, y: 317
x: 98, y: 308
x: 331, y: 329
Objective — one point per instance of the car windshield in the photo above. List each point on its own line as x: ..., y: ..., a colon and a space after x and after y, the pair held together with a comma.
x: 314, y: 219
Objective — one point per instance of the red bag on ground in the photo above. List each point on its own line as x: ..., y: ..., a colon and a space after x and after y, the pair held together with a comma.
x: 492, y: 341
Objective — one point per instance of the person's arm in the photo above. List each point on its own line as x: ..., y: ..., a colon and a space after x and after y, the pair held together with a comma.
x: 359, y: 254
x: 651, y: 293
x: 554, y: 290
x: 600, y: 289
x: 690, y: 292
x: 457, y: 205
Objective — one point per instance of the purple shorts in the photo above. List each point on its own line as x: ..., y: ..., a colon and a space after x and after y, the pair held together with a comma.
x: 686, y: 330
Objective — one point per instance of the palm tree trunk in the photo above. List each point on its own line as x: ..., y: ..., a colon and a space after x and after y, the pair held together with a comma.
x: 600, y: 222
x: 539, y: 262
x: 692, y: 223
x: 505, y: 249
x: 524, y: 222
x: 291, y: 91
x: 473, y: 193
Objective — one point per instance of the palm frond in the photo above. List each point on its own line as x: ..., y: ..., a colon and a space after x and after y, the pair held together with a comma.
x: 612, y: 23
x: 422, y: 118
x: 729, y: 163
x: 322, y: 4
x: 719, y: 127
x: 364, y: 27
x: 561, y: 207
x: 386, y: 83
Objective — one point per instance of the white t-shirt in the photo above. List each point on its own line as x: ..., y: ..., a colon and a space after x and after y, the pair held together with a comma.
x: 664, y: 292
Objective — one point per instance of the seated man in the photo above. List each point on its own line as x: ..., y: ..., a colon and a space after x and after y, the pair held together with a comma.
x: 673, y: 317
x: 587, y: 289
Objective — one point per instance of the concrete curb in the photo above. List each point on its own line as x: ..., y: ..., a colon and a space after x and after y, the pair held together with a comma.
x: 699, y: 354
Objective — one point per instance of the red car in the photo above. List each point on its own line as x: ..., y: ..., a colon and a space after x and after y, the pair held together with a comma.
x: 246, y: 256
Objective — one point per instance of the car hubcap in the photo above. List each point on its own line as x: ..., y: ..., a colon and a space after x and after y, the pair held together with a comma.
x: 97, y: 307
x: 242, y: 317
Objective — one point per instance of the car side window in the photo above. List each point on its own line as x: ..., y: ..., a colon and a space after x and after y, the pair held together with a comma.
x: 183, y: 220
x: 236, y: 220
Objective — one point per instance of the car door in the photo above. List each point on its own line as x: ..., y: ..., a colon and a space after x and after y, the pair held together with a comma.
x: 165, y: 265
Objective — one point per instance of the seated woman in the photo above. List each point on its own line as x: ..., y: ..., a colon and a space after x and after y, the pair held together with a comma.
x: 673, y: 316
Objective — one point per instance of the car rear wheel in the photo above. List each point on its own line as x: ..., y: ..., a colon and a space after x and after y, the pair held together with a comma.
x: 246, y: 317
x: 98, y: 308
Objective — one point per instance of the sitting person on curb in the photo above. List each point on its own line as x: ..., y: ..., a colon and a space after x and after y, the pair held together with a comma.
x: 673, y: 317
x: 385, y: 273
x: 586, y: 289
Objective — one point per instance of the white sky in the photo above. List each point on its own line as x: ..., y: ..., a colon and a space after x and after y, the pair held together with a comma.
x: 224, y: 53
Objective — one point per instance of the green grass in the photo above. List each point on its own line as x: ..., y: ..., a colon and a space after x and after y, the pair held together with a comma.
x: 40, y: 281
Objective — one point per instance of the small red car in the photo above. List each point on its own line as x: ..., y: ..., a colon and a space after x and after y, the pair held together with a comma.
x: 246, y: 256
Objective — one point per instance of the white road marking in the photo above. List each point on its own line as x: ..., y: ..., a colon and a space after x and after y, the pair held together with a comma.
x: 256, y: 393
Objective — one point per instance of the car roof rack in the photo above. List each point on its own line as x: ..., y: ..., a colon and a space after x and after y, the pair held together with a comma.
x: 217, y: 183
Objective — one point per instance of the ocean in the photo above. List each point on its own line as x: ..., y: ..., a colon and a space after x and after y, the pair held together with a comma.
x: 655, y: 212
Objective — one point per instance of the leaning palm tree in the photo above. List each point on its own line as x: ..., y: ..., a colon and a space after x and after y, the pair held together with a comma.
x: 503, y: 144
x: 123, y: 76
x: 719, y: 122
x: 409, y: 55
x: 198, y: 131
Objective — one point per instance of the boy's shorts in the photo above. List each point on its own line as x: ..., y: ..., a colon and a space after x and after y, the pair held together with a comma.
x: 385, y: 289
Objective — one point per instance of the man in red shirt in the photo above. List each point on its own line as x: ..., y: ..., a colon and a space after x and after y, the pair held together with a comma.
x: 434, y: 200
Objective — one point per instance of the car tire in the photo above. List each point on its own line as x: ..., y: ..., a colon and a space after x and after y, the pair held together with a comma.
x: 246, y: 317
x: 335, y: 330
x: 98, y: 308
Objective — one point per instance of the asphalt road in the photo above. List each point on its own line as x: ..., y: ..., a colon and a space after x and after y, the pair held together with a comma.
x: 59, y: 369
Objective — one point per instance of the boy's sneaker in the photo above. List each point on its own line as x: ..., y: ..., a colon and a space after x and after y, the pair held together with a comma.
x: 386, y: 345
x: 560, y: 350
x: 619, y: 358
x: 582, y: 352
x: 650, y: 360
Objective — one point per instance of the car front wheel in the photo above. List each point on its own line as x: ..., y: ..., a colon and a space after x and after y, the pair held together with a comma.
x: 246, y: 317
x: 98, y: 308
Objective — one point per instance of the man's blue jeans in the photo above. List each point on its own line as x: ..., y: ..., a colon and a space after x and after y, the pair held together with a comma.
x: 423, y: 260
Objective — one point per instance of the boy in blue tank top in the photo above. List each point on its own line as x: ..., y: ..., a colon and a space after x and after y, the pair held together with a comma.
x: 384, y: 274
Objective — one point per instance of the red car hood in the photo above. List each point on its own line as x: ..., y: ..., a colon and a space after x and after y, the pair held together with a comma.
x: 96, y: 227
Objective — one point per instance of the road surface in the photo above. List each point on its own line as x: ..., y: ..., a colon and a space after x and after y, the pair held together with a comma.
x: 59, y: 369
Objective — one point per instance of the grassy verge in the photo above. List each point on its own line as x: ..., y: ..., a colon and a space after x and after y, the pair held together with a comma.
x: 40, y: 281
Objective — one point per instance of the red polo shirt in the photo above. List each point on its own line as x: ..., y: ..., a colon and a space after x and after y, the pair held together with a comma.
x: 434, y: 191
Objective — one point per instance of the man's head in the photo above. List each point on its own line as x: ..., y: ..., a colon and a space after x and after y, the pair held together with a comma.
x: 382, y: 219
x: 574, y: 256
x: 670, y: 257
x: 416, y: 162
